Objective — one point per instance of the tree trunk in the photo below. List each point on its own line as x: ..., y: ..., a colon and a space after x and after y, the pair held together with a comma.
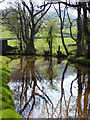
x: 88, y: 35
x: 88, y: 55
x: 21, y: 50
x: 51, y: 40
x: 61, y: 29
x: 51, y: 47
x: 64, y: 43
x: 30, y: 45
x: 79, y: 36
x: 85, y: 28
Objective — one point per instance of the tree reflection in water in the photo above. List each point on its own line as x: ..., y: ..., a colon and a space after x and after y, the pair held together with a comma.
x: 36, y: 91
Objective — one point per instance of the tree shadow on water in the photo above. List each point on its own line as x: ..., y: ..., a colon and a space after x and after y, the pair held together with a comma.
x: 33, y: 95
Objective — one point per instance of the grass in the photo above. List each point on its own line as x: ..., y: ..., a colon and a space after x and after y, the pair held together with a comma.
x: 10, y: 113
x: 5, y: 59
x: 74, y: 30
x: 13, y: 43
x: 8, y: 109
x: 5, y: 33
x: 41, y: 44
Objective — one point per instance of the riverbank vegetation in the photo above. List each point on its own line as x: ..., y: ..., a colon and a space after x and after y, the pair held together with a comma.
x: 7, y: 103
x: 79, y: 60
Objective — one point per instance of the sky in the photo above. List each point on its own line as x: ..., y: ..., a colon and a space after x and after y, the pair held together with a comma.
x: 4, y: 4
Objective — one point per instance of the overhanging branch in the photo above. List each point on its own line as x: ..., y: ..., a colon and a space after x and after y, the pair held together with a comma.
x: 40, y: 10
x: 42, y: 15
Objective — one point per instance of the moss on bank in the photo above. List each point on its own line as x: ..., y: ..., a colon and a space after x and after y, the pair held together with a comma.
x: 8, y: 109
x: 79, y: 60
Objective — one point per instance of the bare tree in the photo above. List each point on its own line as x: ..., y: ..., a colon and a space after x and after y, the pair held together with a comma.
x: 35, y: 16
x: 28, y: 19
x: 62, y: 25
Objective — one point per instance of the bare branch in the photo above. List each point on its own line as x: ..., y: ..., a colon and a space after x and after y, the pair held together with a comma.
x: 40, y: 10
x: 21, y: 21
x: 27, y: 7
x: 56, y: 10
x: 42, y: 15
x: 71, y: 27
x: 2, y: 1
x: 64, y: 15
x: 65, y: 3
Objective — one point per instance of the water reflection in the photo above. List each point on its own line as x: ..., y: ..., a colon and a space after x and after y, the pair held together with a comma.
x: 50, y: 88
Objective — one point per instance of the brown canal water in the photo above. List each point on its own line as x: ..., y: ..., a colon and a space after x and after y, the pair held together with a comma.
x: 50, y: 88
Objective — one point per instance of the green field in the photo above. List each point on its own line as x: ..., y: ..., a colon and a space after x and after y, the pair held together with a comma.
x: 41, y: 44
x: 5, y: 33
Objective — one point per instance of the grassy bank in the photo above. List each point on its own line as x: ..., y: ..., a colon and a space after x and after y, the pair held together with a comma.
x: 79, y: 60
x: 8, y: 109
